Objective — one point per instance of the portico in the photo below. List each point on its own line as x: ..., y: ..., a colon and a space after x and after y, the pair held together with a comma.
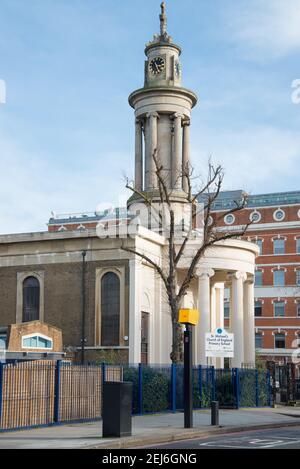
x: 229, y: 265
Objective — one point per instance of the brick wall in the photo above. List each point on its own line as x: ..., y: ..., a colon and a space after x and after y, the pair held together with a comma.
x: 17, y: 331
x: 62, y: 290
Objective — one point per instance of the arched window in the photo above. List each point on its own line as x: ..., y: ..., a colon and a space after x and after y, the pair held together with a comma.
x: 110, y: 309
x: 31, y: 299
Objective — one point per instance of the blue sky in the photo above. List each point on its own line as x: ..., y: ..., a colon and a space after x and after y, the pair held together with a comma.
x: 67, y: 131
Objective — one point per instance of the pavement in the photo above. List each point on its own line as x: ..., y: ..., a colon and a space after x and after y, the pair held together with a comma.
x: 150, y: 430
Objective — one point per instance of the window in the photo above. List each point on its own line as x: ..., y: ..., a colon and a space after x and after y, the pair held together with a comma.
x: 258, y: 278
x: 298, y: 245
x: 210, y: 220
x: 255, y: 217
x: 36, y: 341
x: 298, y: 339
x: 279, y: 277
x: 258, y: 308
x: 2, y: 341
x: 31, y: 299
x: 279, y: 308
x: 297, y: 277
x: 229, y: 219
x: 226, y: 309
x: 110, y: 309
x: 258, y: 340
x: 279, y: 340
x: 259, y: 243
x: 298, y: 309
x: 279, y: 215
x: 279, y: 246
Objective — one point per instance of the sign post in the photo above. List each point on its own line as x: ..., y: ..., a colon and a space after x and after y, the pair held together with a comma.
x: 189, y: 317
x: 219, y: 344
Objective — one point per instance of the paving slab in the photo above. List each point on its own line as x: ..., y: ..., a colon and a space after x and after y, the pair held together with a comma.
x: 148, y: 429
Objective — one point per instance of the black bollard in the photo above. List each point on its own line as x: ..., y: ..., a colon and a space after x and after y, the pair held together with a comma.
x: 215, y: 413
x: 187, y: 378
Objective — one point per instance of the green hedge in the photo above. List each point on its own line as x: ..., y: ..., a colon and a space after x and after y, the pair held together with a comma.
x: 156, y: 389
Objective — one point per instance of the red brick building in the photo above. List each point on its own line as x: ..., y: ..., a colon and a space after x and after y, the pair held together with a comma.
x: 276, y: 229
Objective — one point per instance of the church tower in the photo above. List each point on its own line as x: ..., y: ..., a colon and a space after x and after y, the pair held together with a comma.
x: 162, y: 116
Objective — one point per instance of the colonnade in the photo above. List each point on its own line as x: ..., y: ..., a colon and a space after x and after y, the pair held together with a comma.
x: 211, y: 308
x: 146, y: 141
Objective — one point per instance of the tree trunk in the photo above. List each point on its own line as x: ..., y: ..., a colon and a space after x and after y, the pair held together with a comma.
x: 177, y: 345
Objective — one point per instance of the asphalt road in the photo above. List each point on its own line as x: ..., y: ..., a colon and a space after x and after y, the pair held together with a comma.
x: 285, y: 438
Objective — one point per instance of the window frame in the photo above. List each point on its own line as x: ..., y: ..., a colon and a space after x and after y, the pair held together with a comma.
x: 29, y: 309
x: 39, y: 335
x: 260, y: 336
x: 3, y: 337
x: 297, y: 277
x: 110, y: 312
x: 255, y: 213
x: 276, y: 271
x: 275, y: 338
x: 260, y: 244
x: 226, y: 219
x: 279, y: 210
x: 261, y: 278
x: 277, y: 303
x: 123, y: 333
x: 255, y: 308
x: 21, y: 276
x: 279, y: 250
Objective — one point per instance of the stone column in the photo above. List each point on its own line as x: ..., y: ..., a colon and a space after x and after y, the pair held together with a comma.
x: 204, y: 312
x: 219, y: 305
x: 249, y: 323
x: 219, y: 287
x: 152, y: 146
x: 237, y: 327
x: 213, y: 308
x: 134, y: 312
x: 185, y: 153
x: 138, y: 155
x: 177, y: 152
x: 212, y: 361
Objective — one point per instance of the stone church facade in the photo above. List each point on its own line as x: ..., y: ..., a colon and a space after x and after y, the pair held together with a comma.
x: 109, y: 300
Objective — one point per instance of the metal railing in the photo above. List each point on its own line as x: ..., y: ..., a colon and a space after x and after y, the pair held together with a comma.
x: 45, y: 393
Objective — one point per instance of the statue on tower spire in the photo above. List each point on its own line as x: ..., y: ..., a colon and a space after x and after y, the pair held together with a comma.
x: 163, y: 19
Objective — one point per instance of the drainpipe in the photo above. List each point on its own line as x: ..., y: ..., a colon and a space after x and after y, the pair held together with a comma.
x: 83, y: 306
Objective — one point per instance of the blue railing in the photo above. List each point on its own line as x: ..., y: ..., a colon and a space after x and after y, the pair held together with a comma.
x: 47, y: 393
x: 158, y: 388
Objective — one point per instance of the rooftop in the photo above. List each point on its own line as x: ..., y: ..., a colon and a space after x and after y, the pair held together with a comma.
x: 226, y: 200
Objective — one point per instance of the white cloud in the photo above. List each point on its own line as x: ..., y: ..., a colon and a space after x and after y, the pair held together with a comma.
x: 256, y: 159
x: 266, y: 27
x: 31, y: 187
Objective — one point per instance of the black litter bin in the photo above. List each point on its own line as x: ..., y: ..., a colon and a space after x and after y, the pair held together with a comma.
x: 117, y: 405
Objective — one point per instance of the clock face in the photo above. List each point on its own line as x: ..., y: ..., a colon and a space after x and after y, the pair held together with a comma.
x: 157, y: 65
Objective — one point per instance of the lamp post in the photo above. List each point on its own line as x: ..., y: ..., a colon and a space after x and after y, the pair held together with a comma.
x: 83, y: 306
x: 189, y: 317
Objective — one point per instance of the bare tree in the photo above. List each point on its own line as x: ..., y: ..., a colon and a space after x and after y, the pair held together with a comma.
x: 208, y: 192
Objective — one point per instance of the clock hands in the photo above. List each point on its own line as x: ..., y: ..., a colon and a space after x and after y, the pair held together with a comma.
x: 157, y: 65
